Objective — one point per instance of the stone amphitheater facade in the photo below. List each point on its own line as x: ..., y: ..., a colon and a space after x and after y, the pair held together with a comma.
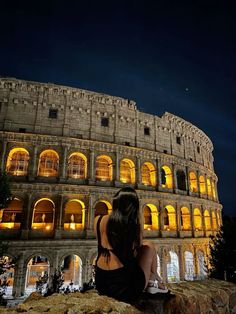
x: 68, y: 151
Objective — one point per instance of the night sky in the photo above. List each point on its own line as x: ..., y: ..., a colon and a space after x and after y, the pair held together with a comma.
x: 175, y: 56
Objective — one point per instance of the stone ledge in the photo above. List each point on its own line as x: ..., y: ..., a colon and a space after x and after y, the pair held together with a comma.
x: 198, y: 297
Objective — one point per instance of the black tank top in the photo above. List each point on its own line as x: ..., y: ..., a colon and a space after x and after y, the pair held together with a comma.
x: 102, y: 250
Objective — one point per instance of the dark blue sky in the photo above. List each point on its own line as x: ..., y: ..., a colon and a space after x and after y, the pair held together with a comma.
x: 178, y: 57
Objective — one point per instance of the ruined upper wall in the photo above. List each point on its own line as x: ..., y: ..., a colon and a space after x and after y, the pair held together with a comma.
x: 25, y: 106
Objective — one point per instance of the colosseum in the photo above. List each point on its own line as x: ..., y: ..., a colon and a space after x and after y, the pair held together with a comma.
x: 68, y: 151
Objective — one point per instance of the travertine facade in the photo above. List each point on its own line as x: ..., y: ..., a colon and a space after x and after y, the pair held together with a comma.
x: 69, y: 150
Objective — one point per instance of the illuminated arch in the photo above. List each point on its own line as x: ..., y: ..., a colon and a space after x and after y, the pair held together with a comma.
x: 102, y: 208
x: 166, y: 177
x: 11, y: 216
x: 150, y: 217
x: 127, y: 171
x: 201, y: 265
x: 193, y: 182
x: 48, y: 163
x: 148, y: 174
x: 207, y: 220
x: 17, y: 162
x: 169, y: 218
x: 103, y: 168
x: 213, y: 189
x: 185, y: 219
x: 43, y: 214
x: 181, y: 180
x: 214, y: 221
x: 77, y: 166
x: 202, y: 184
x: 209, y: 189
x: 74, y: 215
x: 72, y: 271
x: 218, y: 219
x: 197, y: 219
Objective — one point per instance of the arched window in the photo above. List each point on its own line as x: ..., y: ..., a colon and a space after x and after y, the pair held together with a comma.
x: 77, y: 166
x: 43, y: 216
x: 173, y: 268
x: 202, y: 185
x: 209, y: 190
x: 127, y: 171
x: 197, y: 219
x: 193, y: 182
x: 214, y: 221
x: 213, y: 190
x: 201, y: 265
x: 166, y: 177
x: 103, y: 168
x: 102, y: 208
x: 185, y: 219
x: 48, y: 164
x: 181, y: 180
x: 10, y: 217
x: 17, y: 162
x: 74, y: 215
x: 169, y: 218
x: 72, y: 271
x: 147, y: 217
x: 207, y: 220
x: 148, y: 174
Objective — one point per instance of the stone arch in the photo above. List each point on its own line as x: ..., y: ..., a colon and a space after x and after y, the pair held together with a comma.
x: 185, y: 218
x: 173, y: 267
x: 127, y: 171
x: 148, y: 174
x: 166, y: 177
x: 213, y: 189
x: 169, y: 218
x: 201, y: 264
x: 150, y: 214
x: 193, y: 186
x: 202, y: 185
x: 189, y: 265
x: 102, y: 207
x: 77, y: 166
x: 74, y: 215
x: 11, y: 216
x: 72, y: 267
x: 43, y: 214
x: 48, y: 163
x: 18, y: 162
x: 181, y: 180
x: 207, y: 220
x: 197, y: 219
x: 37, y: 267
x: 104, y: 168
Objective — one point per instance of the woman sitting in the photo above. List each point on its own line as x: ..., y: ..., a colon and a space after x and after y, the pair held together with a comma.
x: 126, y: 265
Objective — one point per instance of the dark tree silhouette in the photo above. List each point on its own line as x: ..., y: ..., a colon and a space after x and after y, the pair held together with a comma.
x: 223, y: 251
x: 5, y: 191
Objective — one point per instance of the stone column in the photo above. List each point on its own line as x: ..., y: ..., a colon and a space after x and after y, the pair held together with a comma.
x: 161, y: 217
x: 174, y: 179
x: 58, y: 225
x: 138, y: 171
x: 198, y: 184
x: 195, y: 262
x: 181, y: 263
x: 178, y: 219
x: 163, y: 264
x: 159, y: 167
x: 187, y: 180
x: 19, y: 277
x: 158, y: 182
x: 91, y: 168
x: 63, y: 163
x: 34, y: 168
x: 26, y: 217
x: 203, y: 221
x: 117, y: 167
x: 3, y: 157
x: 192, y: 219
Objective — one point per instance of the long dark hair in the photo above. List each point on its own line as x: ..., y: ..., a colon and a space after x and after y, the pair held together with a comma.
x: 123, y: 227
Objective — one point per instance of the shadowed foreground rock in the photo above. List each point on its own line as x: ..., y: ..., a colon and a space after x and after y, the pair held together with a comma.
x: 209, y: 296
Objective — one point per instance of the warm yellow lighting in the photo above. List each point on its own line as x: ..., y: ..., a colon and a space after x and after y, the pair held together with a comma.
x: 103, y: 168
x: 148, y: 174
x: 167, y: 181
x: 202, y: 185
x: 48, y: 227
x: 77, y: 166
x: 193, y: 182
x: 48, y: 164
x: 185, y: 219
x: 169, y: 218
x: 127, y: 171
x: 17, y: 162
x: 197, y: 219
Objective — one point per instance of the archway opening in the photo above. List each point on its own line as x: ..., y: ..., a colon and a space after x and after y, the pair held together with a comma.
x: 77, y: 166
x: 74, y: 215
x: 150, y: 216
x: 166, y: 177
x: 102, y: 208
x: 17, y: 162
x: 72, y: 272
x: 209, y: 188
x: 189, y: 265
x: 127, y: 171
x: 10, y: 217
x: 193, y: 182
x: 202, y: 185
x: 43, y: 216
x: 48, y: 164
x: 6, y: 275
x: 197, y: 219
x: 173, y: 268
x: 148, y: 174
x: 181, y: 180
x: 169, y: 218
x: 207, y: 220
x: 103, y: 168
x: 185, y: 219
x: 201, y: 265
x: 37, y: 274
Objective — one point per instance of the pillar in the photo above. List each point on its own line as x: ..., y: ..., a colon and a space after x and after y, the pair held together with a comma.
x: 181, y: 262
x: 26, y: 216
x: 138, y: 171
x: 3, y: 157
x: 91, y: 168
x: 63, y: 163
